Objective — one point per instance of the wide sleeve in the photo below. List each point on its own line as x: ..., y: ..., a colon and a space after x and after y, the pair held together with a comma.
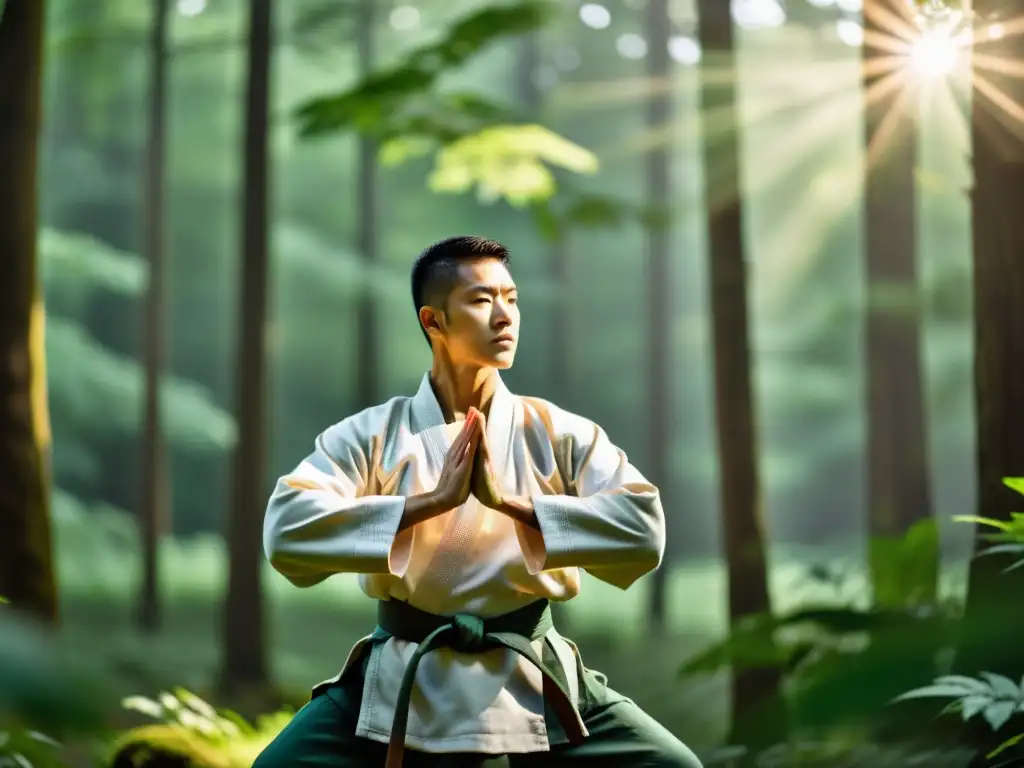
x: 613, y: 525
x: 318, y: 522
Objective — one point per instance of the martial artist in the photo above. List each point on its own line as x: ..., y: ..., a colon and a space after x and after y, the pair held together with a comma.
x: 465, y: 509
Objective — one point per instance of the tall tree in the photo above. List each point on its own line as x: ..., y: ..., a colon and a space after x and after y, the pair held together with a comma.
x: 899, y: 494
x: 26, y: 548
x: 244, y: 631
x: 659, y: 284
x: 752, y: 690
x: 993, y: 625
x: 368, y: 363
x: 155, y: 507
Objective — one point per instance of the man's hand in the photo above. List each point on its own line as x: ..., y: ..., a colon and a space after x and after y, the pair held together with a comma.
x: 485, y: 487
x: 454, y: 484
x: 483, y: 484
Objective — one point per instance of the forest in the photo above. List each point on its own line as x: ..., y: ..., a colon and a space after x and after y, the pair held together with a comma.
x: 788, y: 227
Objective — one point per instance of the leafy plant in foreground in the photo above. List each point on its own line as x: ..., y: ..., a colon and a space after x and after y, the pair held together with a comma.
x: 995, y: 697
x: 191, y: 728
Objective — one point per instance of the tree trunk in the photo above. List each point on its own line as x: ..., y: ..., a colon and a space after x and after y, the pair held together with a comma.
x: 26, y: 548
x: 993, y: 625
x: 155, y: 508
x: 245, y: 647
x: 661, y: 417
x: 899, y: 494
x: 368, y: 364
x: 757, y: 709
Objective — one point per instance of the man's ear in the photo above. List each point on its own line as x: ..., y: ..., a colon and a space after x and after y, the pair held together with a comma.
x: 432, y: 320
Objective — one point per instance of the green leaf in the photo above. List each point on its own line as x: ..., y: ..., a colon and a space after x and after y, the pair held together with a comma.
x: 972, y: 705
x: 1000, y: 524
x: 1015, y: 483
x: 998, y: 713
x: 508, y: 162
x: 379, y: 100
x: 905, y: 567
x: 933, y: 692
x: 1011, y: 742
x: 403, y: 149
x: 1003, y: 686
x: 968, y: 683
x: 1003, y: 549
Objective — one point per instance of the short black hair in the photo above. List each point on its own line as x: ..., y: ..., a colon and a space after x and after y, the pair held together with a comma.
x: 435, y: 270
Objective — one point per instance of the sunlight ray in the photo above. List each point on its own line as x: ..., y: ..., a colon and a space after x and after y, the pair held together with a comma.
x: 884, y: 41
x: 719, y: 120
x: 815, y: 132
x: 998, y: 65
x: 1002, y: 103
x: 793, y: 246
x: 983, y: 33
x: 773, y: 82
x: 897, y: 23
x: 887, y: 127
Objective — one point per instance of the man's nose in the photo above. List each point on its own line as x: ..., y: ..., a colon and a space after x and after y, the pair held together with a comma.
x: 502, y: 318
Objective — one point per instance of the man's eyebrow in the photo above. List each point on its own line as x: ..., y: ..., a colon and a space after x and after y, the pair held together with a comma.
x: 492, y: 289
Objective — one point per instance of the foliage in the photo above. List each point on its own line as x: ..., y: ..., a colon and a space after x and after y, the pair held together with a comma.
x: 1010, y: 537
x: 870, y: 654
x: 993, y: 696
x: 401, y: 101
x: 404, y: 108
x: 502, y: 162
x: 906, y: 566
x: 192, y: 728
x: 27, y: 749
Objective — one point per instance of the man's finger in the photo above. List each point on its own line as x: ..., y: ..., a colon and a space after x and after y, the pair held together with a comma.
x: 473, y: 441
x: 468, y: 424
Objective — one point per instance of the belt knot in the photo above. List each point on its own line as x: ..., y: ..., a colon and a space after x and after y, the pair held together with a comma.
x: 469, y: 633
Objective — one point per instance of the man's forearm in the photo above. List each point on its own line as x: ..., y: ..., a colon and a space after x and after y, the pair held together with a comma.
x: 421, y: 508
x: 520, y: 509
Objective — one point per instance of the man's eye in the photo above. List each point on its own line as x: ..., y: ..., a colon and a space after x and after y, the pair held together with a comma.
x: 481, y: 300
x: 513, y: 299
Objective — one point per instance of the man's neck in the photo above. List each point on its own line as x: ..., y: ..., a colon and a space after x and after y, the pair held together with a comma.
x: 461, y: 387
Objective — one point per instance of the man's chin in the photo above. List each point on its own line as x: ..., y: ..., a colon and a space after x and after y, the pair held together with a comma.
x: 503, y: 360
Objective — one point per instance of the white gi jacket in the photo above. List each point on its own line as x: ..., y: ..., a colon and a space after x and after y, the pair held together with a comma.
x: 339, y: 512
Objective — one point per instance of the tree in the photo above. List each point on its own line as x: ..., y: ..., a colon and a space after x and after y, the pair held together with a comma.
x: 899, y: 494
x: 993, y: 625
x: 26, y: 548
x: 155, y: 507
x: 245, y: 650
x: 659, y: 284
x: 368, y: 362
x: 752, y: 689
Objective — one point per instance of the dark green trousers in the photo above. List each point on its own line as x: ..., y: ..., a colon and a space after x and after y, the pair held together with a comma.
x: 322, y: 734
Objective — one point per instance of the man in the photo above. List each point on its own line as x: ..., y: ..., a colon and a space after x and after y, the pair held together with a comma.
x: 465, y: 509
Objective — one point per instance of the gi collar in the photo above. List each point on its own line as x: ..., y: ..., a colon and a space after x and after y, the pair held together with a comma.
x: 427, y: 419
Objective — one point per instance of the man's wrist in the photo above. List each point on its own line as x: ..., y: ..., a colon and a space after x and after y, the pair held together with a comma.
x: 520, y: 509
x: 420, y: 508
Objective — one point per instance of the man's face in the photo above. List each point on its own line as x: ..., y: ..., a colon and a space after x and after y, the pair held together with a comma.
x: 480, y: 324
